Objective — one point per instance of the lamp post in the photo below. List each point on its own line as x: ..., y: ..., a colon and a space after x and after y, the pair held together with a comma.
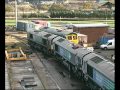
x: 106, y: 15
x: 16, y: 11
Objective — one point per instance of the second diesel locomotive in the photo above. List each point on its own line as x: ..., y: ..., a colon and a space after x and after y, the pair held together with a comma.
x: 82, y: 62
x: 69, y: 35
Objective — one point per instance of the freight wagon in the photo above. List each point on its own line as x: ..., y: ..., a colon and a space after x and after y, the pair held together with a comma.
x: 42, y: 23
x: 25, y: 25
x: 93, y: 68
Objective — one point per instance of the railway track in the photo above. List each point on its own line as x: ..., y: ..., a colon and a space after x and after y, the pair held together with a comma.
x: 24, y: 69
x: 38, y: 55
x: 7, y: 81
x: 23, y: 40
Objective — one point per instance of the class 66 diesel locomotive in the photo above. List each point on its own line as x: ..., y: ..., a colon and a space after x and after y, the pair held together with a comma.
x: 69, y: 35
x: 94, y: 69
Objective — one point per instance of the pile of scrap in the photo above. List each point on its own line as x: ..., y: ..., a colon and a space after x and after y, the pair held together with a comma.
x: 15, y: 54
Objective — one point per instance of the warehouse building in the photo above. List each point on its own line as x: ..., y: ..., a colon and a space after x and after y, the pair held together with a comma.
x: 93, y: 31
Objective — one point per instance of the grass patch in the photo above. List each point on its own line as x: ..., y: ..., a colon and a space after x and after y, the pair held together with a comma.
x: 9, y: 20
x: 9, y: 24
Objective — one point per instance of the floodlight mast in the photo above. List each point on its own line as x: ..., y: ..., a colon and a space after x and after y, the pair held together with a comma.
x: 16, y: 11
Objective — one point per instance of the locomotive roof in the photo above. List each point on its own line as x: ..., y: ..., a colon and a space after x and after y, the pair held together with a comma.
x: 101, y: 64
x: 57, y: 32
x: 52, y: 36
x: 44, y: 34
x: 82, y: 52
x: 67, y: 45
x: 24, y: 21
x: 37, y: 32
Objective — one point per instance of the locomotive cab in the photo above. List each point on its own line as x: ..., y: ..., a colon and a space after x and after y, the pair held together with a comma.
x: 72, y: 37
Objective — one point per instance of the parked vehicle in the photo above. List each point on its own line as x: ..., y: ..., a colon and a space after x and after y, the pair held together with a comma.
x: 85, y: 64
x: 103, y: 40
x: 109, y: 45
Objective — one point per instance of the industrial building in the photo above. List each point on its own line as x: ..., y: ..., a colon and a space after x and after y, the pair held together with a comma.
x: 93, y: 31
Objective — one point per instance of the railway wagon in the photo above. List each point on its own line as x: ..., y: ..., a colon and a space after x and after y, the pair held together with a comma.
x: 69, y: 35
x: 93, y: 68
x: 25, y: 25
x: 42, y: 23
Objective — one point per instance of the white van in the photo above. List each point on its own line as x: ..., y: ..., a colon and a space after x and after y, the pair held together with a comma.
x: 109, y: 45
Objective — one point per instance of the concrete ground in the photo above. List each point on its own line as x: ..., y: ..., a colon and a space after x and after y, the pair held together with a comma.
x: 20, y: 69
x: 7, y: 84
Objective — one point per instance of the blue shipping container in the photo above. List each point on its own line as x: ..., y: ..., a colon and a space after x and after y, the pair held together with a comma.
x: 104, y: 39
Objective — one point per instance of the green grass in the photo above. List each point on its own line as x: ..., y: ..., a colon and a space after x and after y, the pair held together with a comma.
x: 109, y: 22
x: 9, y: 24
x: 9, y: 20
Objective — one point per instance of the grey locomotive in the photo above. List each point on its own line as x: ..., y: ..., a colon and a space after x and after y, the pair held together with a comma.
x: 94, y: 69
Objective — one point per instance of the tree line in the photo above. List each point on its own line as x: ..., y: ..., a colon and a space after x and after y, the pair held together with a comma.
x: 81, y: 14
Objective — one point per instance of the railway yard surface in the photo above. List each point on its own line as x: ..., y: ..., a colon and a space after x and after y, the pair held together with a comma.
x: 39, y: 71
